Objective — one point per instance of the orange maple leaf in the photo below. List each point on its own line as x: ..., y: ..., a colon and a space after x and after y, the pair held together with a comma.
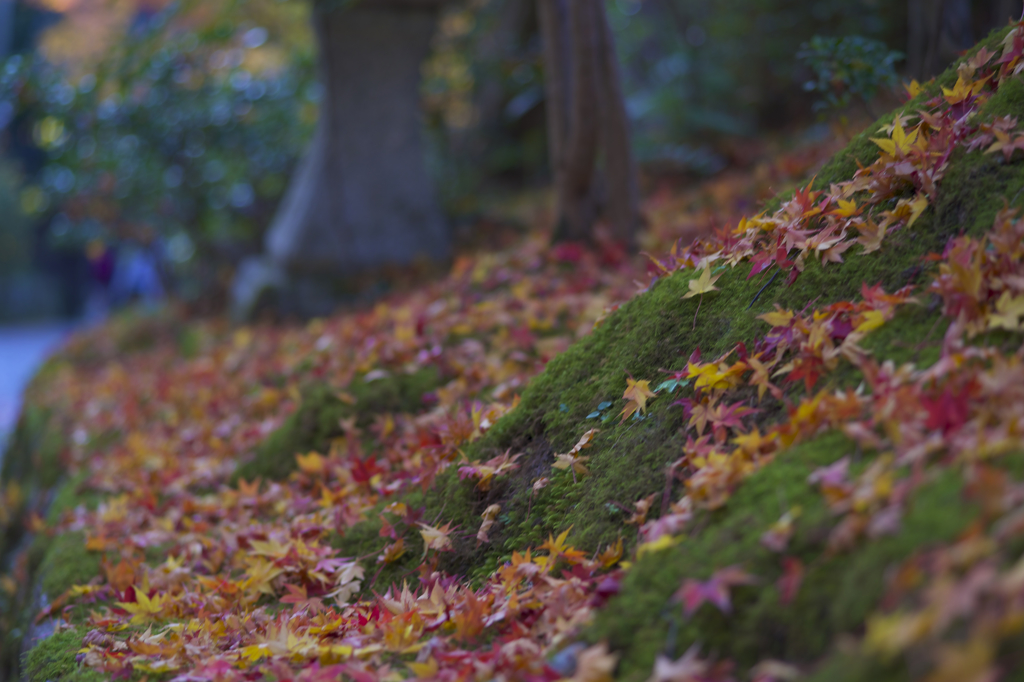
x: 436, y: 538
x: 637, y: 393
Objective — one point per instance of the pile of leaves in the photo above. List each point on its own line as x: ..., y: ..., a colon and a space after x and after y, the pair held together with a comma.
x: 195, y: 540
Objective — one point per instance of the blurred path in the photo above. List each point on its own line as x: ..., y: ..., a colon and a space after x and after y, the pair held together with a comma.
x: 23, y: 348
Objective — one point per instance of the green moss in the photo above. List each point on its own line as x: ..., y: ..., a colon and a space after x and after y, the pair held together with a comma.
x: 53, y: 660
x: 837, y: 593
x: 363, y: 541
x: 860, y: 151
x: 71, y: 494
x: 32, y: 461
x: 650, y: 333
x: 1007, y: 101
x: 29, y: 434
x: 850, y: 667
x: 316, y: 422
x: 67, y: 562
x: 655, y: 331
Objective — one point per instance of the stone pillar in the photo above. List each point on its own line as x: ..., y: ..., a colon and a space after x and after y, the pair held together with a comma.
x: 361, y: 199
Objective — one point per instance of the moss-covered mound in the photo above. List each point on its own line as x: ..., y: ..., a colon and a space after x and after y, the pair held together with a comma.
x: 655, y: 335
x: 807, y: 599
x: 319, y: 418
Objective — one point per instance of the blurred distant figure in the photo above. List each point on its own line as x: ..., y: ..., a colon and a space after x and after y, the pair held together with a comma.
x: 101, y: 259
x: 136, y: 276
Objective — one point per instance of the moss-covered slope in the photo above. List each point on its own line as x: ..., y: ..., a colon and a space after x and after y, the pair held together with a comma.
x: 656, y: 333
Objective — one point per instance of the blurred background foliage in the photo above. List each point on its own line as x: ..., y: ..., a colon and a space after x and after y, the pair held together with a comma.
x: 170, y: 128
x: 176, y: 138
x: 702, y: 78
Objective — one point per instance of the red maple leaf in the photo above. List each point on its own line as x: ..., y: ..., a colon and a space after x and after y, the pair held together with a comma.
x: 806, y: 367
x: 693, y: 593
x: 791, y: 579
x: 948, y: 411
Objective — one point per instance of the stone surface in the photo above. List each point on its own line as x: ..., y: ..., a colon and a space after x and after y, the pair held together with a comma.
x: 362, y: 199
x: 22, y: 349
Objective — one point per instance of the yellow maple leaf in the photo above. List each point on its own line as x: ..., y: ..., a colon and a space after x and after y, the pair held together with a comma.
x: 779, y: 318
x: 662, y: 543
x: 888, y: 635
x: 563, y: 462
x: 872, y: 320
x: 144, y: 608
x: 900, y: 141
x: 489, y: 515
x: 753, y: 443
x: 584, y: 441
x: 312, y: 463
x: 260, y: 574
x: 331, y: 654
x: 847, y: 209
x: 715, y: 376
x: 393, y: 552
x: 254, y: 652
x: 1008, y: 312
x: 917, y: 207
x: 963, y: 90
x: 424, y: 671
x: 556, y: 546
x: 435, y: 538
x: 271, y: 548
x: 871, y: 236
x: 611, y: 555
x: 80, y: 590
x: 913, y: 88
x: 703, y: 284
x: 971, y: 660
x: 637, y: 393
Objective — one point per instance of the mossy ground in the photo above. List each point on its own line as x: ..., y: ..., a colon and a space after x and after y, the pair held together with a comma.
x: 316, y: 422
x: 656, y: 332
x: 838, y: 591
x: 652, y: 333
x: 53, y: 660
x: 67, y: 562
x: 34, y: 460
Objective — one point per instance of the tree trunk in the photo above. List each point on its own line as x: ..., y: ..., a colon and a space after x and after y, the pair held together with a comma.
x: 1005, y: 10
x: 939, y: 30
x: 623, y: 209
x: 361, y: 198
x: 7, y: 9
x: 587, y: 120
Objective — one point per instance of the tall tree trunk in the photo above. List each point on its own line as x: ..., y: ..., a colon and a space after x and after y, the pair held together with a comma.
x: 623, y: 208
x: 1005, y: 10
x: 361, y: 198
x: 938, y: 31
x: 587, y: 121
x: 7, y: 9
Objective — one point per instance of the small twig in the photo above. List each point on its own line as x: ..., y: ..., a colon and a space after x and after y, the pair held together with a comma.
x: 763, y: 288
x: 624, y: 433
x: 438, y: 518
x: 621, y: 506
x: 375, y: 576
x: 671, y: 636
x: 666, y: 495
x: 698, y: 311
